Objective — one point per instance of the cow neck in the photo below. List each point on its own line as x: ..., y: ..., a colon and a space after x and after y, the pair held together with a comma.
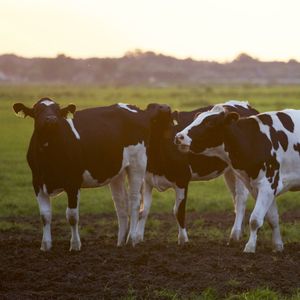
x: 161, y: 146
x: 240, y: 144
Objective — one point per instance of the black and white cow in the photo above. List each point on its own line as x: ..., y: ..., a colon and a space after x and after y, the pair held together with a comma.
x: 98, y: 146
x: 169, y: 168
x: 263, y: 150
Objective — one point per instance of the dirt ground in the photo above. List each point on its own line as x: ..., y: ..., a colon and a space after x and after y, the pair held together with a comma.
x: 101, y: 270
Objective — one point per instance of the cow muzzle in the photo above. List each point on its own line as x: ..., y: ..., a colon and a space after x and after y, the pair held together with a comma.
x: 179, y: 141
x: 50, y: 122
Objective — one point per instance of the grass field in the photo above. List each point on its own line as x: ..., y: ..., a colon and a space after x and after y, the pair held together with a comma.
x: 16, y: 193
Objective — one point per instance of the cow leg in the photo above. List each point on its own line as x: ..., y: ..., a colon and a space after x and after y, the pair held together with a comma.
x: 46, y: 216
x: 145, y: 212
x: 136, y: 174
x: 72, y: 215
x: 239, y: 196
x: 120, y: 198
x: 262, y: 205
x: 273, y: 220
x: 179, y: 212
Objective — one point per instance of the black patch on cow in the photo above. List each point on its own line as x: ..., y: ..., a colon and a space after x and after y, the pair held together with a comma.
x: 181, y: 211
x: 266, y: 119
x: 204, y: 165
x: 297, y: 148
x: 272, y: 171
x: 164, y: 159
x: 251, y: 150
x: 208, y: 134
x: 283, y: 139
x: 184, y: 118
x: 286, y: 121
x: 278, y: 138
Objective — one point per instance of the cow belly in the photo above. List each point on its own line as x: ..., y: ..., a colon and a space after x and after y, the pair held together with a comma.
x: 161, y: 183
x: 291, y: 183
x: 88, y: 181
x: 290, y: 176
x: 197, y: 177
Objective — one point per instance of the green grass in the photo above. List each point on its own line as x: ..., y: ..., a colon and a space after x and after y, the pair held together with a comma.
x: 211, y: 294
x: 16, y: 193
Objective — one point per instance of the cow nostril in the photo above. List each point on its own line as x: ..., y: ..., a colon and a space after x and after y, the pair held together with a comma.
x: 178, y: 139
x: 51, y: 119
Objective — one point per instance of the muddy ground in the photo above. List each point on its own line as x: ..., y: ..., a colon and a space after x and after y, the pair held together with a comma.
x: 101, y: 270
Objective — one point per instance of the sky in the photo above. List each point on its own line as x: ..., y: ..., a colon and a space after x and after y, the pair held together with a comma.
x: 200, y: 29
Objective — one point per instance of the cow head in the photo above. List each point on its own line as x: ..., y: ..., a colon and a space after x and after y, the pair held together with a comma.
x: 206, y: 131
x: 46, y: 113
x: 158, y: 112
x: 160, y: 119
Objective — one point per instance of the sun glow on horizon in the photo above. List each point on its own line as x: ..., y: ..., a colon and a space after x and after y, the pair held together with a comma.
x: 200, y: 29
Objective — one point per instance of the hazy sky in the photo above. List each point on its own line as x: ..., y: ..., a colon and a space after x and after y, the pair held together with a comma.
x: 201, y: 29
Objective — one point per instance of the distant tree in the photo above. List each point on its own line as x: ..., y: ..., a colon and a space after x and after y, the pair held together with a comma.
x: 293, y: 61
x: 244, y: 57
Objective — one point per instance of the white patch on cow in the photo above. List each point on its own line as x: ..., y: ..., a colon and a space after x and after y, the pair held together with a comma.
x: 70, y: 122
x: 54, y: 193
x: 47, y: 102
x: 137, y: 162
x: 46, y: 216
x: 72, y: 215
x: 89, y: 181
x: 125, y: 106
x: 120, y: 198
x: 182, y: 234
x: 218, y: 151
x: 237, y: 102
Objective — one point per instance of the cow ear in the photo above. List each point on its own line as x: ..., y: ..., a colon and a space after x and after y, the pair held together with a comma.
x: 22, y: 111
x: 70, y: 109
x: 231, y: 117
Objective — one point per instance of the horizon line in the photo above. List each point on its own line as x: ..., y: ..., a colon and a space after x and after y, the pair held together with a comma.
x: 137, y: 52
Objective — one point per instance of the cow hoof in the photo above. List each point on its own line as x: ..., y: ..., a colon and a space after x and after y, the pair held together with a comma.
x: 182, y: 240
x: 249, y: 248
x: 75, y: 246
x: 46, y: 246
x: 182, y: 236
x: 278, y: 247
x: 233, y: 241
x: 132, y: 238
x: 121, y: 243
x: 139, y: 238
x: 235, y: 236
